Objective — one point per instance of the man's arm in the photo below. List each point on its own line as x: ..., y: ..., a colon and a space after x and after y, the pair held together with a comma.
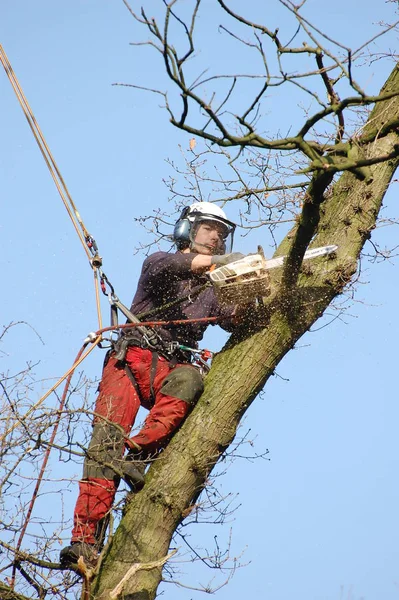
x: 164, y: 267
x: 203, y: 262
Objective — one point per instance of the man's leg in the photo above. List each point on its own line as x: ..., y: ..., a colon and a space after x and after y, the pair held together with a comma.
x: 94, y: 501
x: 176, y: 391
x: 115, y: 412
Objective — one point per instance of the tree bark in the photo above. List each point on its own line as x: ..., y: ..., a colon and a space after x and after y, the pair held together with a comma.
x: 242, y: 369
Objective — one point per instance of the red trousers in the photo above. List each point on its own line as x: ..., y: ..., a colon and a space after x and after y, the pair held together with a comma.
x: 119, y: 403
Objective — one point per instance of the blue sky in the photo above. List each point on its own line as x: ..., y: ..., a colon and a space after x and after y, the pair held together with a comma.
x: 319, y: 519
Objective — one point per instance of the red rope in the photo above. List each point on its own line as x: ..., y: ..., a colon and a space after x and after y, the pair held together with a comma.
x: 44, y: 465
x: 161, y: 323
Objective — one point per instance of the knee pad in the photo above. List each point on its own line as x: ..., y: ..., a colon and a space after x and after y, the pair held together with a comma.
x: 185, y: 383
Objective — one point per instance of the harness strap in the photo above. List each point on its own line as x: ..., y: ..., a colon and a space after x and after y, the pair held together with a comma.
x: 132, y: 378
x: 129, y: 373
x: 154, y: 364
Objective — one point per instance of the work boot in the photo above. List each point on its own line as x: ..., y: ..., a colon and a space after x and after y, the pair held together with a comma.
x: 71, y: 554
x: 133, y: 468
x: 132, y: 474
x: 130, y: 469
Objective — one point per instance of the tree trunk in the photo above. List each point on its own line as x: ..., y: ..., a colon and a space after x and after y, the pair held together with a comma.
x: 242, y: 369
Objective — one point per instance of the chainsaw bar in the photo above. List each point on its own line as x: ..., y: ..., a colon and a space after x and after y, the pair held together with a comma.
x: 278, y: 262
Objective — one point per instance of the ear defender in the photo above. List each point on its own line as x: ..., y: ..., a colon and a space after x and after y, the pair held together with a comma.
x: 181, y: 232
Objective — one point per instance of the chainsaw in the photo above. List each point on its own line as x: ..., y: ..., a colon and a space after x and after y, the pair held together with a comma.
x: 248, y: 278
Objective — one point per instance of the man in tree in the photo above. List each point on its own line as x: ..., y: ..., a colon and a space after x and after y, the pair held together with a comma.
x: 153, y: 370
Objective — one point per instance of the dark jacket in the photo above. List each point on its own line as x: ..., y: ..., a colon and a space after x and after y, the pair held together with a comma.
x: 166, y: 277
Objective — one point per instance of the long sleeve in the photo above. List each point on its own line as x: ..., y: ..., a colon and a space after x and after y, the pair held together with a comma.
x: 164, y: 268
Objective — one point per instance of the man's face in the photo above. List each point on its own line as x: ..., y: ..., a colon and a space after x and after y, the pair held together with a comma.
x: 209, y: 238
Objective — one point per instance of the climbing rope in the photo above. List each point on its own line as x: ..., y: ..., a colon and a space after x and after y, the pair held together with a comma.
x: 91, y: 250
x: 100, y: 282
x: 68, y: 376
x: 87, y: 241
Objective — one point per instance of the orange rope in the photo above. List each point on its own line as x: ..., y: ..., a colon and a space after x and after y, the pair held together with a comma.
x: 66, y: 197
x: 47, y: 394
x: 79, y: 358
x: 87, y: 243
x: 47, y: 155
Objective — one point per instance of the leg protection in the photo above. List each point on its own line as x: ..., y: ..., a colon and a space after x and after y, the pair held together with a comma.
x: 118, y: 403
x: 161, y: 422
x: 175, y: 396
x: 104, y: 452
x: 185, y: 383
x: 95, y: 500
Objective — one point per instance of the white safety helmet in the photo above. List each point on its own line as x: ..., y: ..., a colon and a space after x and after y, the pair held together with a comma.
x: 190, y: 219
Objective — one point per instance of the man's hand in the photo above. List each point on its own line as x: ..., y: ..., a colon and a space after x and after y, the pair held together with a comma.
x: 220, y: 260
x: 203, y: 262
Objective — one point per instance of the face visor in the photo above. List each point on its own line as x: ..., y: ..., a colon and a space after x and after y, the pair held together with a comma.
x: 222, y: 243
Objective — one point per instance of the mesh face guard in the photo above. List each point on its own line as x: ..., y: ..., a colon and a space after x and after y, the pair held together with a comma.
x: 225, y: 228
